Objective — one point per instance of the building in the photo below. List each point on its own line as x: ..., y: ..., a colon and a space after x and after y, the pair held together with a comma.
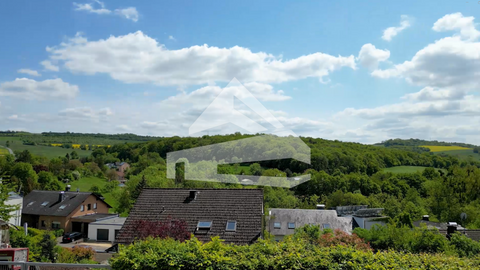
x: 16, y: 215
x: 105, y: 229
x: 366, y: 218
x: 233, y: 214
x: 120, y: 168
x: 433, y: 225
x: 282, y: 222
x: 67, y: 210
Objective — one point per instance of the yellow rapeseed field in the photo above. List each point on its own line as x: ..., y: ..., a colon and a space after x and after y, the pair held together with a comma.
x: 76, y: 146
x: 435, y: 148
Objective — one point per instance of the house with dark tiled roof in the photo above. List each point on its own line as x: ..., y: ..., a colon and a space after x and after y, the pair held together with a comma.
x: 235, y: 215
x: 67, y: 210
x: 120, y: 169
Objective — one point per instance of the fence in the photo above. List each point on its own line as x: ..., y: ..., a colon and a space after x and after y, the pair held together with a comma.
x: 49, y: 266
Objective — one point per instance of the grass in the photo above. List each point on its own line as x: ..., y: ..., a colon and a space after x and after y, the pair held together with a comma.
x: 406, y: 169
x: 3, y: 151
x: 461, y: 154
x: 85, y: 183
x: 437, y: 148
x: 47, y: 151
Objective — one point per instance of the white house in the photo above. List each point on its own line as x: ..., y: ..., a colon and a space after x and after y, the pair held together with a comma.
x: 105, y: 229
x: 16, y: 215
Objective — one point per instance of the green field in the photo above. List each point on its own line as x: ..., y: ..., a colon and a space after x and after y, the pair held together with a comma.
x: 3, y: 151
x: 48, y: 151
x: 406, y: 169
x: 461, y: 154
x: 85, y: 183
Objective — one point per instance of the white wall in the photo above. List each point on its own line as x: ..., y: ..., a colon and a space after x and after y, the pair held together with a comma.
x: 16, y: 218
x: 92, y: 230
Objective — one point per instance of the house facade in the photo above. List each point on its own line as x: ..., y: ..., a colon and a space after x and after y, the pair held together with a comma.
x: 70, y: 211
x: 235, y: 215
x: 282, y: 222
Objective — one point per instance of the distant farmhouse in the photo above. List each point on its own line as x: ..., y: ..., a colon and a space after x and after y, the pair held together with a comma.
x: 120, y: 168
x: 67, y: 210
x: 235, y: 215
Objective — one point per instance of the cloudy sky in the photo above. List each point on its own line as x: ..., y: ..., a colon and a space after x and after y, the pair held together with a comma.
x: 365, y: 71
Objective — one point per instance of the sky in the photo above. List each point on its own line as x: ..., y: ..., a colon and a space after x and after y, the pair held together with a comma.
x: 361, y: 71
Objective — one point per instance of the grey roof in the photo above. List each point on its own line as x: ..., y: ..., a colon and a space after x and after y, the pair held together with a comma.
x: 349, y: 209
x: 431, y: 224
x: 245, y: 206
x: 369, y: 212
x: 303, y: 217
x: 110, y: 221
x: 93, y: 217
x: 32, y: 203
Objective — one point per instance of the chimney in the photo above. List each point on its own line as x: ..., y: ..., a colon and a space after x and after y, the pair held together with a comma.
x: 451, y: 227
x: 61, y: 196
x: 67, y: 188
x: 426, y: 218
x: 320, y: 206
x: 193, y: 195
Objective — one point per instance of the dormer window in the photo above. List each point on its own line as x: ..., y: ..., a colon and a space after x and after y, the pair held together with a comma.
x: 231, y: 226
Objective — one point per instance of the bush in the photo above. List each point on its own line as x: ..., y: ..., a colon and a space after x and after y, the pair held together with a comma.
x: 464, y: 246
x: 289, y: 254
x: 76, y: 254
x: 58, y: 233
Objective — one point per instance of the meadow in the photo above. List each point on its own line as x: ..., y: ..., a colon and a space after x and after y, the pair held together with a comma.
x: 41, y: 150
x: 3, y: 151
x: 406, y: 169
x: 461, y: 154
x: 441, y: 148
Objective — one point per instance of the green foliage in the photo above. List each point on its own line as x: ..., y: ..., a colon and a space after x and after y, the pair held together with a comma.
x: 41, y: 244
x: 290, y: 254
x: 47, y: 247
x: 77, y: 254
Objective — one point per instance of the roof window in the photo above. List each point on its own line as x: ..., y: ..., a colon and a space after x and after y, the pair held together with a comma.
x: 231, y: 226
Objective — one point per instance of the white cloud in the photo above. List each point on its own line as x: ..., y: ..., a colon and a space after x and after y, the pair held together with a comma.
x: 172, y: 38
x: 129, y: 13
x: 29, y: 72
x: 85, y: 113
x: 369, y: 56
x: 124, y: 128
x: 49, y: 66
x: 429, y: 94
x: 24, y: 88
x: 90, y: 9
x: 391, y: 32
x: 138, y: 58
x: 457, y: 22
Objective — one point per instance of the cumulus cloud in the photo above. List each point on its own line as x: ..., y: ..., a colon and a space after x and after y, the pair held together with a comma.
x: 49, y: 66
x: 98, y: 7
x: 391, y: 32
x: 29, y: 72
x: 129, y: 13
x: 24, y: 88
x: 430, y: 94
x: 457, y: 22
x: 138, y: 58
x: 85, y: 113
x: 172, y: 38
x: 89, y: 7
x: 369, y: 56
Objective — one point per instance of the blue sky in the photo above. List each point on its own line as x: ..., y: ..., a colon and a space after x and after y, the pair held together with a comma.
x: 359, y: 71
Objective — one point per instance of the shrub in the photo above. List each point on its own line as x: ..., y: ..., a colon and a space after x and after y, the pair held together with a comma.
x: 77, y: 254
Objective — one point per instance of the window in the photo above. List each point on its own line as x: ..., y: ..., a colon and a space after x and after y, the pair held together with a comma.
x: 95, y: 206
x: 277, y: 225
x: 43, y: 223
x: 326, y: 226
x: 30, y: 203
x: 62, y: 206
x: 231, y: 226
x: 89, y: 207
x: 82, y: 207
x: 44, y: 203
x: 291, y: 225
x: 55, y: 225
x: 204, y: 225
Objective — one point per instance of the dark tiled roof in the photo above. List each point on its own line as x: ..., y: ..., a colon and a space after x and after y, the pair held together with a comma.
x: 438, y: 225
x: 218, y: 205
x: 369, y: 212
x: 32, y: 203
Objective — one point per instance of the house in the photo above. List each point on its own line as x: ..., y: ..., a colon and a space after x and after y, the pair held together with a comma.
x: 67, y: 210
x: 433, y: 225
x: 105, y: 229
x: 16, y: 215
x: 235, y: 215
x: 282, y: 222
x: 120, y: 168
x: 366, y: 218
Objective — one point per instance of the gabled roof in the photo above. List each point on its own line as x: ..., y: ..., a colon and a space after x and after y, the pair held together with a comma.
x: 369, y: 212
x: 245, y: 206
x: 47, y: 203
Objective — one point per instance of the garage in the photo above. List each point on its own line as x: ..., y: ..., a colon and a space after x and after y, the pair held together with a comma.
x: 102, y: 234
